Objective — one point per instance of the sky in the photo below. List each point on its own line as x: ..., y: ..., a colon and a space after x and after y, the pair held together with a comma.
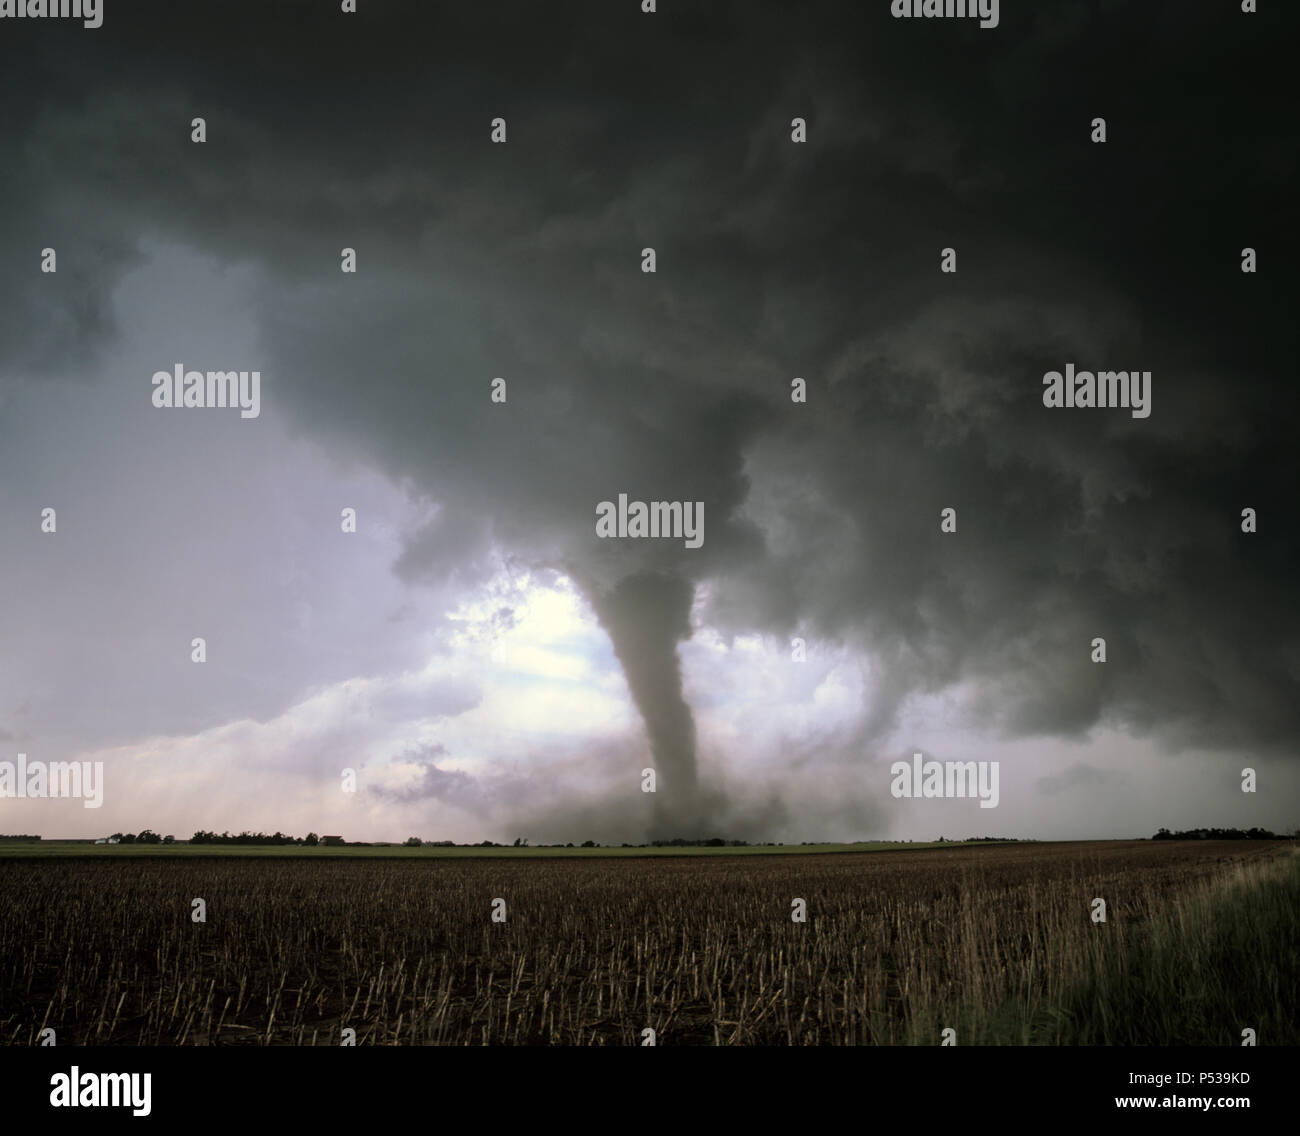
x: 485, y: 663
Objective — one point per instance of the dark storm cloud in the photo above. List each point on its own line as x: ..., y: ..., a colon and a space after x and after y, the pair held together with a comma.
x: 775, y: 260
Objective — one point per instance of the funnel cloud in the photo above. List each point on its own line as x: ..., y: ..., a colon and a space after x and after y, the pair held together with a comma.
x: 647, y: 615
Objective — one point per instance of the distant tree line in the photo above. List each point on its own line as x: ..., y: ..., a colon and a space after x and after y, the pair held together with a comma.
x: 522, y: 842
x: 1218, y: 834
x: 16, y: 836
x: 202, y: 837
x: 711, y: 842
x: 312, y: 840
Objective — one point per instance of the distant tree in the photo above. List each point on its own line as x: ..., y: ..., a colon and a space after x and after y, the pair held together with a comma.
x: 311, y: 840
x: 148, y: 836
x: 588, y: 844
x: 1217, y: 834
x: 413, y: 842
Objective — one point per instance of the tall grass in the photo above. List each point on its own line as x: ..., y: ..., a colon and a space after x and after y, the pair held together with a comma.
x: 1194, y: 967
x: 1223, y: 958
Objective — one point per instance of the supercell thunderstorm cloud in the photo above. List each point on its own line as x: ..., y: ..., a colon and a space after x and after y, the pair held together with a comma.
x: 843, y: 337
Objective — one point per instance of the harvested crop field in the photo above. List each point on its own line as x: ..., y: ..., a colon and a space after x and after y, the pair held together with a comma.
x: 991, y: 941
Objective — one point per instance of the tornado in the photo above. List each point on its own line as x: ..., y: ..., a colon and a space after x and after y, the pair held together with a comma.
x: 646, y: 615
